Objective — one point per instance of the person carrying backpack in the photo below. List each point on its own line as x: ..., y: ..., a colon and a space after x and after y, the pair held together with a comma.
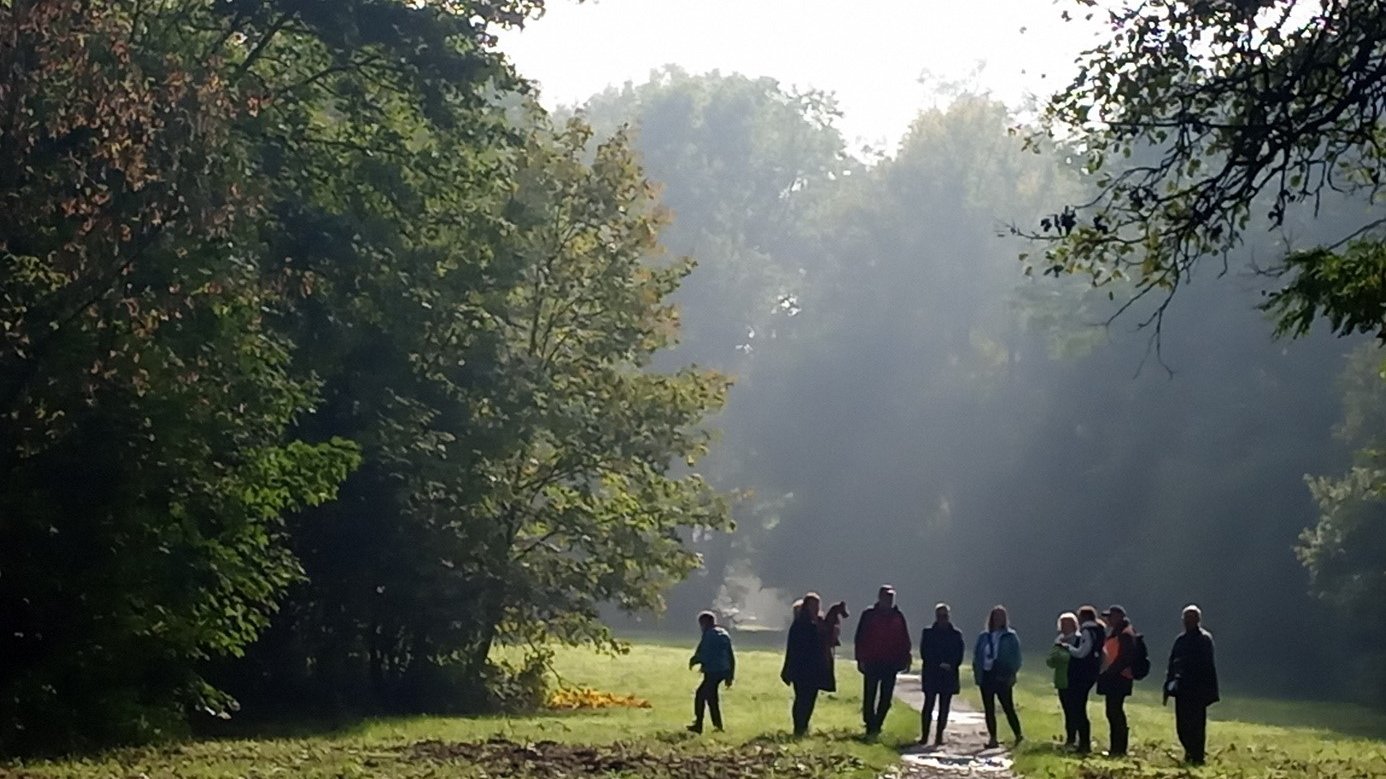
x: 1125, y: 660
x: 718, y: 661
x: 1083, y: 670
x: 995, y: 664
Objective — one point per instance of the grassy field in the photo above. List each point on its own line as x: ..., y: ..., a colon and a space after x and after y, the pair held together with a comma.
x: 1247, y: 737
x: 756, y: 741
x: 1268, y: 738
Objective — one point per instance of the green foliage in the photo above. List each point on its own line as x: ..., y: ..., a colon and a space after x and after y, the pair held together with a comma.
x: 480, y: 308
x: 1346, y: 287
x: 518, y: 451
x: 1344, y: 550
x: 1202, y: 123
x: 1248, y: 737
x: 1199, y: 124
x: 740, y: 163
x: 144, y: 398
x: 349, y: 351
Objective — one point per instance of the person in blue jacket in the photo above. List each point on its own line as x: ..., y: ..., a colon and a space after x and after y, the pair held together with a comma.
x: 718, y: 661
x: 995, y: 663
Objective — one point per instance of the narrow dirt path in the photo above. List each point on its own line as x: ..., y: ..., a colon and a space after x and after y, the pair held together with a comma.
x: 964, y: 752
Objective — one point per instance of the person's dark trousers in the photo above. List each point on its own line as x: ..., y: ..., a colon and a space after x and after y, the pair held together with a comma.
x: 1116, y: 720
x: 878, y: 686
x: 1191, y: 720
x: 991, y: 693
x: 1082, y: 725
x: 1070, y: 724
x: 706, y: 698
x: 805, y: 696
x: 945, y: 700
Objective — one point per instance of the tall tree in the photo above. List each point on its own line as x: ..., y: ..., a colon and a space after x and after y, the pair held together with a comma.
x: 517, y: 446
x: 1200, y: 121
x: 1203, y: 123
x: 137, y: 362
x: 1346, y: 549
x: 740, y: 163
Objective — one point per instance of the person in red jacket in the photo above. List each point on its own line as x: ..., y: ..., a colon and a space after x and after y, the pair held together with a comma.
x: 883, y: 650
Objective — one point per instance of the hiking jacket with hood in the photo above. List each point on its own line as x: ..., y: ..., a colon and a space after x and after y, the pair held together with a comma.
x: 1006, y: 664
x: 715, y: 653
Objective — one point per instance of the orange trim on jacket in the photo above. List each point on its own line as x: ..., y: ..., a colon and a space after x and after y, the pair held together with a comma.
x: 1111, y: 652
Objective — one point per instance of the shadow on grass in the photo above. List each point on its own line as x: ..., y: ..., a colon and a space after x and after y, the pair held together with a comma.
x: 346, y: 725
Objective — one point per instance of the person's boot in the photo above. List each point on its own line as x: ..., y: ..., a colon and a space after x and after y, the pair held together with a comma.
x: 938, y: 737
x: 696, y: 727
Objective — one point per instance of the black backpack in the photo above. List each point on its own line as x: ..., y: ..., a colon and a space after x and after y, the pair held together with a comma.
x: 1140, y: 666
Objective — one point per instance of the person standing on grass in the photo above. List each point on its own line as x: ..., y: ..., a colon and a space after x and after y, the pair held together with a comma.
x: 806, y: 661
x: 1192, y: 680
x: 940, y: 657
x: 1083, y: 670
x: 995, y: 664
x: 718, y: 661
x: 1120, y: 663
x: 882, y: 647
x: 1060, y: 657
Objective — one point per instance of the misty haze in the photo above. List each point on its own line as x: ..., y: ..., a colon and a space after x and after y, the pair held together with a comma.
x: 425, y: 381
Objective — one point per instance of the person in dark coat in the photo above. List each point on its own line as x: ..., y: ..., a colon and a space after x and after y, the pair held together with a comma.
x: 1116, y: 680
x: 830, y: 632
x: 1083, y: 670
x: 882, y: 646
x: 940, y: 656
x: 807, y: 661
x: 1192, y: 680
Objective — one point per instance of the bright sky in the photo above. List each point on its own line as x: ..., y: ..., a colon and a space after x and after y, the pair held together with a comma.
x: 872, y: 55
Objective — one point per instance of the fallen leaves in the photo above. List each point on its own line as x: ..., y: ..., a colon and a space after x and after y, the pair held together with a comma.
x: 501, y: 757
x: 574, y: 698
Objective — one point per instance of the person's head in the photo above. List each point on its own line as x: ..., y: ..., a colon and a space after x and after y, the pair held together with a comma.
x: 942, y: 614
x: 798, y: 606
x: 1193, y: 617
x: 1116, y: 617
x: 998, y: 619
x: 1087, y: 614
x: 706, y: 620
x: 1068, y: 623
x: 885, y: 596
x: 810, y: 605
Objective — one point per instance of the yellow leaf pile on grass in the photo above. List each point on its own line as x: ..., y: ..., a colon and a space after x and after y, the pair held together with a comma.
x: 574, y: 698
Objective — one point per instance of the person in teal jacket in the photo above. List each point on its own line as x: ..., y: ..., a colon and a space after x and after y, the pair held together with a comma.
x: 718, y: 661
x: 995, y: 664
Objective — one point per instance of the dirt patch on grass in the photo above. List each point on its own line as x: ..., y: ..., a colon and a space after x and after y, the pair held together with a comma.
x: 500, y: 757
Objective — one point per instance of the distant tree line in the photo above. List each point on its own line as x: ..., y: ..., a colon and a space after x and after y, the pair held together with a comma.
x: 910, y: 403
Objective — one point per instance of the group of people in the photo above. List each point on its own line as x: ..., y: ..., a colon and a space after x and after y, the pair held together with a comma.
x: 1091, y: 651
